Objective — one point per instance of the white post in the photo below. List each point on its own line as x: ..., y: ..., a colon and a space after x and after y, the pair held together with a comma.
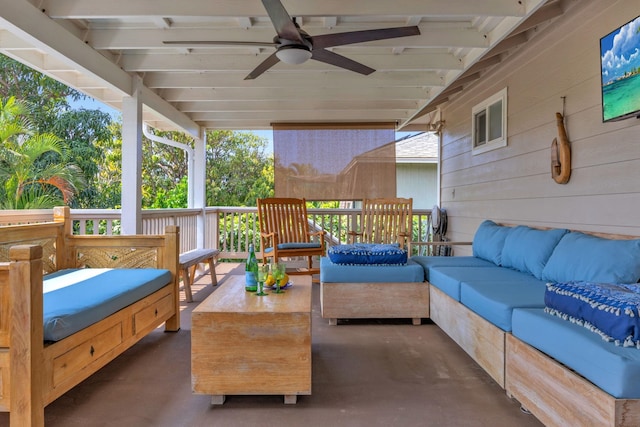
x: 132, y: 161
x: 199, y: 189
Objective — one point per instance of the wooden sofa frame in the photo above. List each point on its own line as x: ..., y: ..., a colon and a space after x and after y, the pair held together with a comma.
x: 552, y: 392
x: 34, y: 373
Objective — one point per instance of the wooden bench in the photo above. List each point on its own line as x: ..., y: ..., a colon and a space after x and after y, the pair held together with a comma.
x: 188, y: 263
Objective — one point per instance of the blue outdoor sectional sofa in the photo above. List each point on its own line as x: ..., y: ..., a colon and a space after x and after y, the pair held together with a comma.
x: 552, y: 315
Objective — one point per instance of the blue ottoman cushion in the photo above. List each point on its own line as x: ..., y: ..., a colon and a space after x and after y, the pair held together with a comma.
x: 331, y: 272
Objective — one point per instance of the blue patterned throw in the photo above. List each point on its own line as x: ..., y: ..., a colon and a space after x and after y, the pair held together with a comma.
x: 367, y: 253
x: 611, y: 310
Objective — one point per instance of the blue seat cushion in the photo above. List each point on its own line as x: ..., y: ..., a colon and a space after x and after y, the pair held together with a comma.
x: 495, y: 300
x: 301, y: 245
x: 581, y: 257
x: 613, y: 368
x: 489, y: 241
x: 448, y: 279
x: 528, y: 250
x: 331, y: 272
x: 74, y: 299
x: 450, y: 261
x: 609, y: 309
x: 367, y: 253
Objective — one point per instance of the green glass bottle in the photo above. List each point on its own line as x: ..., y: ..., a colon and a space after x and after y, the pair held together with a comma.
x: 251, y: 271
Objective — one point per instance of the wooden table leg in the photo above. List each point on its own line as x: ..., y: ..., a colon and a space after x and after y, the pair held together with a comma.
x: 290, y: 399
x: 217, y: 399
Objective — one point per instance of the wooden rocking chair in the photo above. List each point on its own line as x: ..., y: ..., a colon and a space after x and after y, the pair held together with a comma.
x: 385, y: 221
x: 284, y: 232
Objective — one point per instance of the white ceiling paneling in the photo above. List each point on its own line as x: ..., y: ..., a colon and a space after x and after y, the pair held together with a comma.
x: 101, y: 47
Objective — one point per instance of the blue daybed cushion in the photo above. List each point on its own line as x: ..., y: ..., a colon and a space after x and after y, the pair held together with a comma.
x: 612, y: 368
x: 489, y: 241
x: 75, y: 299
x: 581, y: 257
x: 367, y: 253
x: 331, y: 272
x: 611, y: 310
x: 528, y: 250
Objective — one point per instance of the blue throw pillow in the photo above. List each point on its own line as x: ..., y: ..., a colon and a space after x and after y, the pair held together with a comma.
x: 367, y: 253
x: 489, y: 241
x: 528, y: 250
x: 611, y: 310
x: 582, y: 257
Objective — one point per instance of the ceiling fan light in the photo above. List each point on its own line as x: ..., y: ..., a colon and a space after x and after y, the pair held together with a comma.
x: 293, y: 54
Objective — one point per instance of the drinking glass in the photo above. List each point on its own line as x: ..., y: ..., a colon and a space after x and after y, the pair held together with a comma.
x: 278, y: 271
x: 263, y: 272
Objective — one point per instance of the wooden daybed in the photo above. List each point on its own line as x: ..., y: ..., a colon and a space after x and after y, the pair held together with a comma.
x: 34, y: 373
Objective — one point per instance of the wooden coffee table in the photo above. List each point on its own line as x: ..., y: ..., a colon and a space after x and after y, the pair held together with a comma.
x: 244, y: 344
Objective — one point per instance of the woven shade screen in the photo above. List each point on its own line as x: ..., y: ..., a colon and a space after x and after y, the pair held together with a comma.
x: 334, y: 161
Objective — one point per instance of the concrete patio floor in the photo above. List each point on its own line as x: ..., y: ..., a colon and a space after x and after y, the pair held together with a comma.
x: 365, y: 373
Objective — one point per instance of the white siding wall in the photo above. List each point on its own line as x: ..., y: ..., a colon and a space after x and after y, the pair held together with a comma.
x: 418, y: 180
x: 513, y: 184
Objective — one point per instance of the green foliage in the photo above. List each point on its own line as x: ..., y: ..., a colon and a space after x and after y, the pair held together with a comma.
x: 238, y: 170
x: 45, y: 97
x: 86, y: 146
x: 35, y: 168
x: 175, y: 197
x: 84, y: 130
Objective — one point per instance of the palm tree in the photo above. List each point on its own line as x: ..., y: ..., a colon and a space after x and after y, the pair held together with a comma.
x: 32, y: 179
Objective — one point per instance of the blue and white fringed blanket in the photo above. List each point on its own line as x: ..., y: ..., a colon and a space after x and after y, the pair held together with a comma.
x: 368, y: 253
x: 611, y: 310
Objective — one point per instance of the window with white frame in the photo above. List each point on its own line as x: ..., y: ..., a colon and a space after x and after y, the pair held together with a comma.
x: 489, y: 123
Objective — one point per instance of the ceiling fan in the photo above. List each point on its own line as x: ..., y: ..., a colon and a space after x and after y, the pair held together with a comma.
x: 295, y: 46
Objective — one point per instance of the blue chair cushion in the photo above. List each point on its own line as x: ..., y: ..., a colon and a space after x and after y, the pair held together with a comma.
x: 580, y: 257
x: 489, y: 241
x: 495, y: 300
x: 613, y: 368
x: 303, y: 245
x: 77, y: 298
x: 611, y: 310
x: 450, y: 261
x: 367, y: 253
x: 331, y: 272
x: 528, y: 250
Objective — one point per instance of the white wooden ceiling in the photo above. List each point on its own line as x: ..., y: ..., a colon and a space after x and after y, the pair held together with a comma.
x: 110, y: 49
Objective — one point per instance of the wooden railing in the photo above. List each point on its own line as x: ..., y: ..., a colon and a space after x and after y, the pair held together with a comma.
x: 229, y: 229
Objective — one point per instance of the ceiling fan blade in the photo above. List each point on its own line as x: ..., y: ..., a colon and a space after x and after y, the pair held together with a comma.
x: 282, y: 21
x: 217, y: 43
x: 340, y: 39
x: 340, y: 61
x: 264, y: 66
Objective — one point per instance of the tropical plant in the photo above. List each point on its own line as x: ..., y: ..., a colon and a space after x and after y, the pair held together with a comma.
x: 30, y: 183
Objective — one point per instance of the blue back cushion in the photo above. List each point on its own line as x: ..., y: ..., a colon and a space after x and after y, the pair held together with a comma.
x: 528, y: 250
x: 582, y: 257
x: 489, y: 241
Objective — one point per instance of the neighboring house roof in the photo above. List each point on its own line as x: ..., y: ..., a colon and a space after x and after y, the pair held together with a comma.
x: 420, y: 148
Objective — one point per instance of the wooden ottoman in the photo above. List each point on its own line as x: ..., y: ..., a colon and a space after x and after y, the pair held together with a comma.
x: 373, y: 291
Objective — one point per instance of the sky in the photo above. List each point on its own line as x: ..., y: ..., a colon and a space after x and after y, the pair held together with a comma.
x: 620, y: 51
